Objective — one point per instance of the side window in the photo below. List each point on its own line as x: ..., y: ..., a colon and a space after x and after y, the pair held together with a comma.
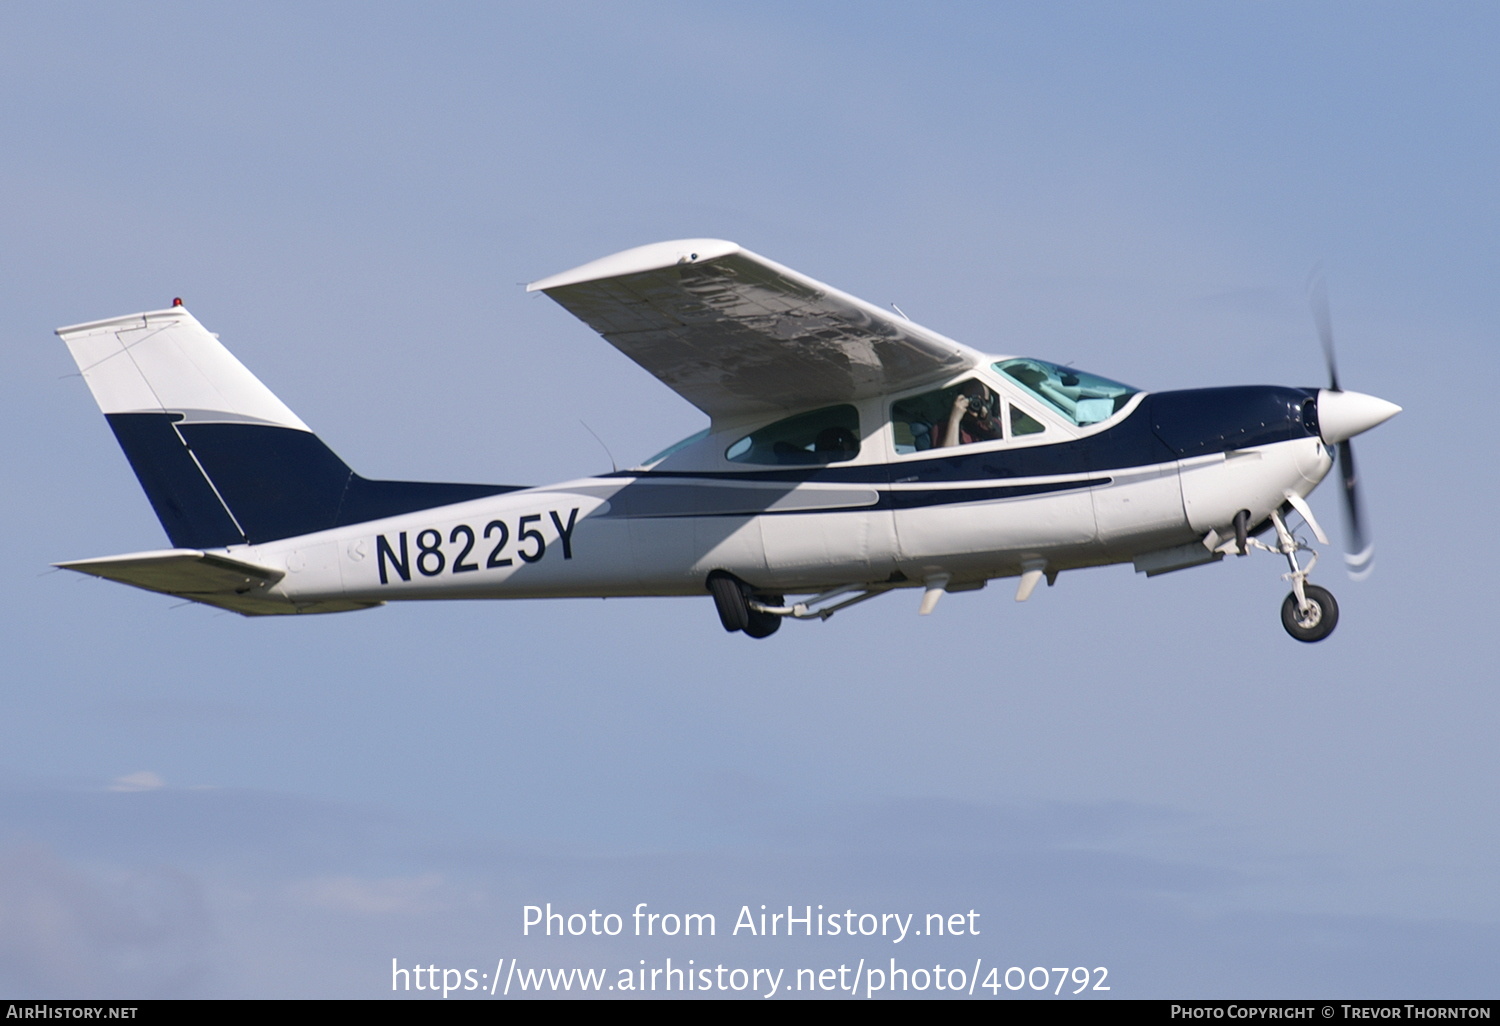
x: 961, y: 414
x: 829, y: 435
x: 672, y: 449
x: 1023, y: 423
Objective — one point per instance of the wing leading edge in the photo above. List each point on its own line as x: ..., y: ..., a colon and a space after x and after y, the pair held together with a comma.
x: 736, y: 334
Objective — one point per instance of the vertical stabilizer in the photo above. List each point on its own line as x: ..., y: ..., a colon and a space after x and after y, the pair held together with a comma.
x: 223, y: 461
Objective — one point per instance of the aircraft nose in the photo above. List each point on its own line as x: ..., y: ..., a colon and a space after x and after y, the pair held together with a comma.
x: 1342, y: 415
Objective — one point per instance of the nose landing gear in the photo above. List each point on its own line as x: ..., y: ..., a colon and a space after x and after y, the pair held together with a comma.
x: 1316, y: 620
x: 1309, y: 613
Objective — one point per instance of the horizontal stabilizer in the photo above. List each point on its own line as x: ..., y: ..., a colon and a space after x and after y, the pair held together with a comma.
x: 205, y: 577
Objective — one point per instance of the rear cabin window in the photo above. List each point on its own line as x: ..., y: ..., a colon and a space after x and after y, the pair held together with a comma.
x: 676, y: 448
x: 829, y: 435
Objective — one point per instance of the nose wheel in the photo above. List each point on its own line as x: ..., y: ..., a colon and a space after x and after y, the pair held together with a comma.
x: 1314, y: 618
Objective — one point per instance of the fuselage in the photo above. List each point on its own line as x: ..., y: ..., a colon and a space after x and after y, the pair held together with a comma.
x: 1161, y: 477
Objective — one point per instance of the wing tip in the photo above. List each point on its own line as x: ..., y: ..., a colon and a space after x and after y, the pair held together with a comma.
x: 650, y: 257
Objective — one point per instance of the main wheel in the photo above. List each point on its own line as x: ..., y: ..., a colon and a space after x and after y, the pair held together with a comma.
x: 729, y: 600
x: 763, y: 625
x: 1318, y: 622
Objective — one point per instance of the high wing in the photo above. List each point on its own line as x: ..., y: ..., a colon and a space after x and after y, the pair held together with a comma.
x: 736, y: 334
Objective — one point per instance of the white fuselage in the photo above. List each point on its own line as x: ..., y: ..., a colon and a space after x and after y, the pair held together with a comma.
x: 637, y: 535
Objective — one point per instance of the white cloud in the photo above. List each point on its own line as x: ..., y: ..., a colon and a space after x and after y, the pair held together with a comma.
x: 144, y: 780
x: 389, y: 895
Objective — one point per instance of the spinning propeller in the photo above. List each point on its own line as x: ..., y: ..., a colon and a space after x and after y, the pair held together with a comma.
x: 1341, y: 416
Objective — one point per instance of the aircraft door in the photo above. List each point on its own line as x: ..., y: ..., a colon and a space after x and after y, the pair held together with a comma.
x: 979, y: 484
x: 828, y: 524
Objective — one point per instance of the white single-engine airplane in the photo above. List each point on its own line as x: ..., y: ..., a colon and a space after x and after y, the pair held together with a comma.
x: 850, y: 452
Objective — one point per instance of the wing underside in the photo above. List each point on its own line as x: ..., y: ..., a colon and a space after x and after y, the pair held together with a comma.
x: 736, y: 334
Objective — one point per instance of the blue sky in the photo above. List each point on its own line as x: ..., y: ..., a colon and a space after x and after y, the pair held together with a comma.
x: 1143, y: 775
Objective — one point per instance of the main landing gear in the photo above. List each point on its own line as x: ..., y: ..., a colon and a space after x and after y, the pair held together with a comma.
x: 1309, y: 612
x: 758, y: 614
x: 737, y: 606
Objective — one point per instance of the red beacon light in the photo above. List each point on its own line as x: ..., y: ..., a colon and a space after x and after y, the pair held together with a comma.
x: 177, y: 301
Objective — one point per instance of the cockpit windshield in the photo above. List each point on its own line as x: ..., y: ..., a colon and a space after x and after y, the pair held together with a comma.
x: 1081, y: 397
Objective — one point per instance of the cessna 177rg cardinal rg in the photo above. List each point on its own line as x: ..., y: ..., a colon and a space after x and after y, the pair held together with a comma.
x: 849, y: 453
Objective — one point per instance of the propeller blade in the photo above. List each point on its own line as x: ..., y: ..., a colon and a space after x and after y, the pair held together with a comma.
x: 1317, y: 298
x: 1360, y: 554
x: 1347, y: 415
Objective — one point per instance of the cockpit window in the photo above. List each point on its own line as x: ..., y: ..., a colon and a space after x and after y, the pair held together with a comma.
x: 961, y: 414
x: 1081, y: 397
x: 829, y: 435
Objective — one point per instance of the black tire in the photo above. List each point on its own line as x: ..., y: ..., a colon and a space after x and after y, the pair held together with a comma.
x: 729, y: 600
x: 763, y: 625
x: 1322, y: 615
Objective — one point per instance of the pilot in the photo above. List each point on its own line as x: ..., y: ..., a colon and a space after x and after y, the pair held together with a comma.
x: 972, y: 418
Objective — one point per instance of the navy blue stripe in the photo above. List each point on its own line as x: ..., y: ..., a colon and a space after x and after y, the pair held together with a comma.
x: 1165, y: 427
x: 278, y: 482
x: 681, y: 501
x: 918, y: 499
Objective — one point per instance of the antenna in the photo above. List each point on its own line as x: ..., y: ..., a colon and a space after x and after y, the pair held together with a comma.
x: 614, y: 467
